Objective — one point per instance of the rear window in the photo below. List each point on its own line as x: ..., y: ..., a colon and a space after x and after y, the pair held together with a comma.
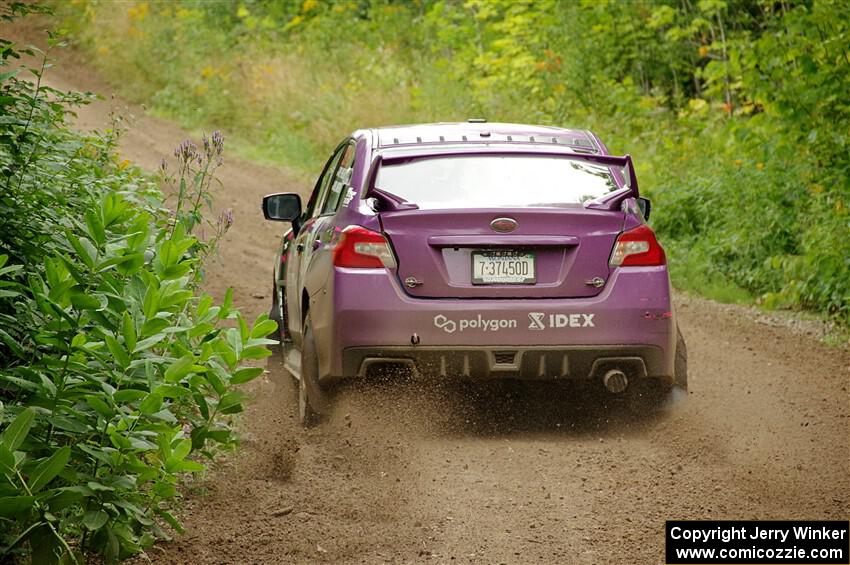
x: 484, y: 181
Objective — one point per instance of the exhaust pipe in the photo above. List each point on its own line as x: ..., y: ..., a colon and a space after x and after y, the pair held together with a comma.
x: 615, y: 381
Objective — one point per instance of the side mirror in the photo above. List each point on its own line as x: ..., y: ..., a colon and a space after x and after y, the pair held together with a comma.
x: 645, y: 206
x: 282, y: 207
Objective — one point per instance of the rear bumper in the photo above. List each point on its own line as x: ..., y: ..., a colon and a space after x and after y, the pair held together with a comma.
x: 529, y: 363
x: 368, y: 316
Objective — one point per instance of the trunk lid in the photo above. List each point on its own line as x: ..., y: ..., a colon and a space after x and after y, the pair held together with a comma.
x: 571, y: 247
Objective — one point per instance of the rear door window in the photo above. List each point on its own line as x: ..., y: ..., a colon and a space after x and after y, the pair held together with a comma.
x: 320, y: 193
x: 341, y: 180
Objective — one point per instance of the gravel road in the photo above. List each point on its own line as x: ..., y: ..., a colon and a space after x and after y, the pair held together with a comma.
x: 409, y: 473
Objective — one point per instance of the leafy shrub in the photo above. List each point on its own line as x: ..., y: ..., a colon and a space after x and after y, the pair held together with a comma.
x: 117, y: 374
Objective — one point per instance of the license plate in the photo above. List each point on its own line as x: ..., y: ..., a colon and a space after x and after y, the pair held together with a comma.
x: 503, y: 267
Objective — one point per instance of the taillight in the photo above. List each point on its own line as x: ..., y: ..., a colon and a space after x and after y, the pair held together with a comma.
x: 637, y: 246
x: 364, y: 249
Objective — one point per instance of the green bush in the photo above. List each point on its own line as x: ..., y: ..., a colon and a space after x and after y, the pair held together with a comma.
x: 117, y: 373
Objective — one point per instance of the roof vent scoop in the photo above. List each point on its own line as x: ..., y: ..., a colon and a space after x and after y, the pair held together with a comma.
x: 477, y: 120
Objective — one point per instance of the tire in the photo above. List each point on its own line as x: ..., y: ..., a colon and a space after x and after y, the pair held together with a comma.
x: 277, y: 314
x: 681, y: 365
x: 312, y: 400
x: 648, y: 395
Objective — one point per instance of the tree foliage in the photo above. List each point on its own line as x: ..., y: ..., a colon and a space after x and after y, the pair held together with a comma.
x: 735, y: 110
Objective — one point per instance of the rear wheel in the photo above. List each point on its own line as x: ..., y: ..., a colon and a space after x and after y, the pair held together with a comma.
x: 312, y: 400
x: 647, y: 395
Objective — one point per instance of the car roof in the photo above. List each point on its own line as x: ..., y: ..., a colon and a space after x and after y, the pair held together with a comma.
x: 482, y: 133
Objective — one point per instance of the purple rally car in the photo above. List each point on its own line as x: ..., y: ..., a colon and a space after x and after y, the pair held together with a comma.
x: 475, y: 250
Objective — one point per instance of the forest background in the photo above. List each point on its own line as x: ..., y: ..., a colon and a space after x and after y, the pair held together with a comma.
x: 736, y: 111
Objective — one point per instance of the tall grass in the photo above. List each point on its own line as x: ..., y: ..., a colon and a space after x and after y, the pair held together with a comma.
x: 286, y: 103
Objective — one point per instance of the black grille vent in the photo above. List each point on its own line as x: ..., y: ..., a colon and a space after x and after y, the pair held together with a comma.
x: 505, y: 357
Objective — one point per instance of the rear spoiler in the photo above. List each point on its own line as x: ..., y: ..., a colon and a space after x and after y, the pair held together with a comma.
x: 389, y: 202
x: 612, y: 161
x: 609, y: 201
x: 614, y: 199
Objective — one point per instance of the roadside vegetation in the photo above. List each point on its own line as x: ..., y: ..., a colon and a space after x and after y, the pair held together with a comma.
x: 117, y: 372
x: 735, y: 110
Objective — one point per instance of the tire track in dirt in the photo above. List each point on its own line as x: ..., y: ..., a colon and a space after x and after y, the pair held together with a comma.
x: 409, y: 473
